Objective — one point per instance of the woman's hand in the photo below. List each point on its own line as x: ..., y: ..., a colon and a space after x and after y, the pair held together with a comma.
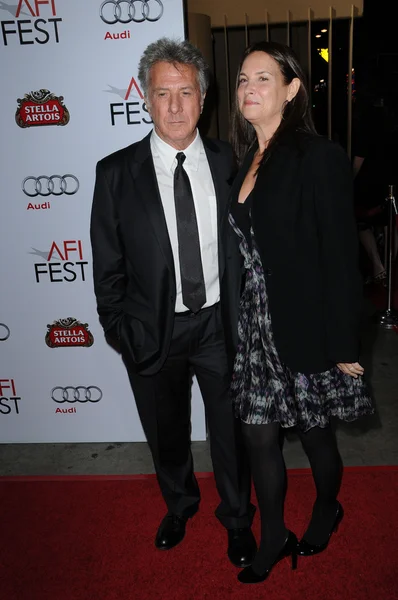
x: 353, y: 369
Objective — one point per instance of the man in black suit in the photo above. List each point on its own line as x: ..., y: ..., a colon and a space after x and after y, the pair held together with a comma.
x: 158, y: 262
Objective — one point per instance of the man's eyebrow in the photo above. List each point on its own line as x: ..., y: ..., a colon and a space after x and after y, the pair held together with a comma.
x: 186, y: 87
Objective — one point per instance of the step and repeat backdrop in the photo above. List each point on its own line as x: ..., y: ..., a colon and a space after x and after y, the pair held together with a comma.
x: 70, y: 95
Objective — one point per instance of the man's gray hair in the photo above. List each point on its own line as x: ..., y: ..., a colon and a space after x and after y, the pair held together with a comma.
x: 175, y: 52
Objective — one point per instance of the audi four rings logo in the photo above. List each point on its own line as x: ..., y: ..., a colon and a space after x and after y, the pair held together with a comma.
x: 4, y: 332
x: 80, y: 393
x: 127, y: 11
x: 55, y: 185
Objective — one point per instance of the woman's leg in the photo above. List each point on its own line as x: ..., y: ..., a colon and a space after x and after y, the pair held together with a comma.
x: 269, y: 477
x: 320, y: 446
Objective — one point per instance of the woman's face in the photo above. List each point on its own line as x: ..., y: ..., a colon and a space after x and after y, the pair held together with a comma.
x: 262, y: 91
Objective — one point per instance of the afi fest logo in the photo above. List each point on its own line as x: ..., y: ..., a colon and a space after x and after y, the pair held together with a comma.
x: 35, y: 22
x: 41, y: 108
x: 43, y: 186
x: 9, y: 400
x: 132, y: 112
x: 69, y: 332
x: 69, y: 266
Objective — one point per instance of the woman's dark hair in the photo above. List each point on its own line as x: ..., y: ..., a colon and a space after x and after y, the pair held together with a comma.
x: 296, y: 113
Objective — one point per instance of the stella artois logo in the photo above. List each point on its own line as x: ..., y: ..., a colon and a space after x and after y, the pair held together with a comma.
x: 68, y: 333
x: 41, y: 108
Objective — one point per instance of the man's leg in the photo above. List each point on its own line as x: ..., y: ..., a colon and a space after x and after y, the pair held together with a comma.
x: 230, y: 462
x: 163, y: 403
x: 164, y: 408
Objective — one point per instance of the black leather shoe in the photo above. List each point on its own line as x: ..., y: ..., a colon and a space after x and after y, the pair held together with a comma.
x: 289, y: 549
x: 171, y: 532
x: 306, y: 549
x: 242, y: 546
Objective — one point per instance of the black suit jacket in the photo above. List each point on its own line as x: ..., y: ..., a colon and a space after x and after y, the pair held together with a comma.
x: 303, y: 220
x: 133, y: 264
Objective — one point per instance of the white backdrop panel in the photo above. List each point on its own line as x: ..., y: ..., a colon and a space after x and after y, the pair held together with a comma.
x: 64, y: 46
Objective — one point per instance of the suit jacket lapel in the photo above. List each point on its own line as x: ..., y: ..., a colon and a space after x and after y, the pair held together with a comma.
x: 219, y: 177
x: 143, y: 172
x: 222, y: 188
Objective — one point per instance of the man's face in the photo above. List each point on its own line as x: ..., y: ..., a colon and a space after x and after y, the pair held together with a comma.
x: 174, y: 102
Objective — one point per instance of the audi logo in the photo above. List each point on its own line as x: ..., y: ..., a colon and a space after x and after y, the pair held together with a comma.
x: 55, y: 185
x: 125, y: 11
x: 82, y: 394
x: 4, y: 332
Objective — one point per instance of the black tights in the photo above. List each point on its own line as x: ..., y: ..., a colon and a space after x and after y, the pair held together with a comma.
x: 269, y: 476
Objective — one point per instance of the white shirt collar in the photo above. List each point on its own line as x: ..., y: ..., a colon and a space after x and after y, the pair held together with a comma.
x: 168, y: 154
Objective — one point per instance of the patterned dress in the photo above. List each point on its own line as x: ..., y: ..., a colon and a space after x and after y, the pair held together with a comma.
x: 263, y: 389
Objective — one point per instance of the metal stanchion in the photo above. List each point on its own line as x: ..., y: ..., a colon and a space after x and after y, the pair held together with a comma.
x: 388, y: 318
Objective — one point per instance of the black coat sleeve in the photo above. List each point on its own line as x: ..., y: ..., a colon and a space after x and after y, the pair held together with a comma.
x: 338, y: 245
x: 108, y: 258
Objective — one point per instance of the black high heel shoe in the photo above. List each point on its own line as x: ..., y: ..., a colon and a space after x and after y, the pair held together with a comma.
x: 289, y: 549
x: 306, y: 549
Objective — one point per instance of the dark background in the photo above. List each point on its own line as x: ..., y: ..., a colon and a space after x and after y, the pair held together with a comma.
x: 375, y: 60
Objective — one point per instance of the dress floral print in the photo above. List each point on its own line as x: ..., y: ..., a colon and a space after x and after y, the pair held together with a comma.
x: 266, y: 391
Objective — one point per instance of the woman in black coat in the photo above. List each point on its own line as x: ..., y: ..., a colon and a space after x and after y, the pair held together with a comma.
x: 296, y: 347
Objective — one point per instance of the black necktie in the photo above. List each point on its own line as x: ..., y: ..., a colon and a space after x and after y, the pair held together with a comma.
x: 192, y: 279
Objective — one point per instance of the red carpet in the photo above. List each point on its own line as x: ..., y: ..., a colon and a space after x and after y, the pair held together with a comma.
x: 92, y: 539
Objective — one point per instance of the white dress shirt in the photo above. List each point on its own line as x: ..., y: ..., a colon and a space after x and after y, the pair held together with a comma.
x: 198, y: 170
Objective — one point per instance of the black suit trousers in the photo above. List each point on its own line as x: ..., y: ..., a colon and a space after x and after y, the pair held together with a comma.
x: 163, y: 402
